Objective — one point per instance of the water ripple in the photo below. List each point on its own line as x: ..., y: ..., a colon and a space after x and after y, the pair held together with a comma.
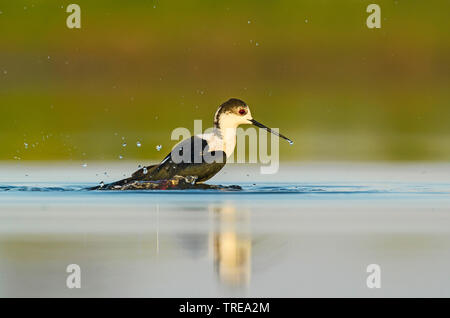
x: 262, y: 189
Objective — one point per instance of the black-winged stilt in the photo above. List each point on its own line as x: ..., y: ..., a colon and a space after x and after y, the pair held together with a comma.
x: 200, y: 157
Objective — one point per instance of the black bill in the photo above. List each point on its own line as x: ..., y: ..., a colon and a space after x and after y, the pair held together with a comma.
x: 254, y: 122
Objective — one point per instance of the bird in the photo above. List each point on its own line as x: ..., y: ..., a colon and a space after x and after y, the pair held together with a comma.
x: 201, y: 156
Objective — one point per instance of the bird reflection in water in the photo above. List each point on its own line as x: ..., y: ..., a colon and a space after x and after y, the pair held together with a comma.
x: 231, y: 244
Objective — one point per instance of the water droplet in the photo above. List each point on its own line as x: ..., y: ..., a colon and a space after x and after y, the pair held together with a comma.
x: 249, y: 21
x: 84, y: 165
x: 138, y: 144
x: 26, y: 145
x: 144, y: 171
x: 120, y: 157
x: 124, y: 144
x: 257, y: 44
x: 102, y: 184
x: 291, y: 142
x: 158, y: 147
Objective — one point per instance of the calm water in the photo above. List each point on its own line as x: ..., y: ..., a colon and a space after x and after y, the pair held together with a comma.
x: 310, y: 230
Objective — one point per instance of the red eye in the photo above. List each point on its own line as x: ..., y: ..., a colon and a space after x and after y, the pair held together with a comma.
x: 242, y: 111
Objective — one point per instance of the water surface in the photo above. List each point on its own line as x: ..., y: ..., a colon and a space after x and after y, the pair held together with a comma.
x: 310, y: 230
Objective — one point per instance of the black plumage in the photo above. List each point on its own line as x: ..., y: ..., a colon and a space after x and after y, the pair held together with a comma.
x: 190, y: 158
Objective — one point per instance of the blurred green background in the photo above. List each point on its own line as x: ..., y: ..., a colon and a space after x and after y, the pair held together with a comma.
x: 138, y: 69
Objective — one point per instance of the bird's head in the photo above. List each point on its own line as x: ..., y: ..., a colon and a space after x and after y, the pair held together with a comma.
x: 232, y: 113
x: 235, y: 112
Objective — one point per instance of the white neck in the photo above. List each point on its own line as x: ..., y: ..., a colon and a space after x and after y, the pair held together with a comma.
x: 229, y: 140
x: 224, y: 136
x: 227, y: 128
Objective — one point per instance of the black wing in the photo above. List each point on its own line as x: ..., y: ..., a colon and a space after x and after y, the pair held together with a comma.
x: 191, y: 157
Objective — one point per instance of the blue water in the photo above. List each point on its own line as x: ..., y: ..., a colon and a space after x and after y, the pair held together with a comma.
x: 311, y: 231
x: 263, y: 188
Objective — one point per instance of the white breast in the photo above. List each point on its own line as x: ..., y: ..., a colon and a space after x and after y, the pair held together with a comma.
x: 225, y: 143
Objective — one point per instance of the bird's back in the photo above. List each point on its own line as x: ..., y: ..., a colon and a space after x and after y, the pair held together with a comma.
x: 189, y: 158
